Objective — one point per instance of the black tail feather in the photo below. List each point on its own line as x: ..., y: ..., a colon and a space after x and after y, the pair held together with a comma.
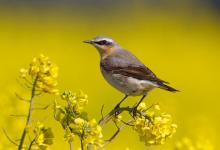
x: 168, y: 88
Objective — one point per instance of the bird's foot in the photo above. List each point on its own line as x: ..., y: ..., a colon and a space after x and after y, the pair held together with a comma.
x: 116, y: 110
x: 117, y: 106
x: 134, y: 112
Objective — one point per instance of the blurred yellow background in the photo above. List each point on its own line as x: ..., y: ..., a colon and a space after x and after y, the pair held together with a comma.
x: 179, y: 41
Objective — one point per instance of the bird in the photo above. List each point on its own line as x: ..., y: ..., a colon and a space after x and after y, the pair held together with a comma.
x: 124, y: 71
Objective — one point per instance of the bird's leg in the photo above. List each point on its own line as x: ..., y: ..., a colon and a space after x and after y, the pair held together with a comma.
x: 115, y: 111
x: 134, y: 109
x: 118, y: 105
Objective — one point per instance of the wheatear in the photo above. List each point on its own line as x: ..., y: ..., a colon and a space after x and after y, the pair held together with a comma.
x: 124, y: 71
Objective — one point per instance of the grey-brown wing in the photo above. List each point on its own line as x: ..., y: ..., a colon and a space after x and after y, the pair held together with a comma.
x: 138, y: 72
x: 141, y: 73
x: 125, y: 63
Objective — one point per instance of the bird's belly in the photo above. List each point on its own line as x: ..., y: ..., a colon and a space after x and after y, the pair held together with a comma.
x: 128, y: 85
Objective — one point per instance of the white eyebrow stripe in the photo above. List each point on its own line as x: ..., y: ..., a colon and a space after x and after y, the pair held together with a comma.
x: 107, y: 39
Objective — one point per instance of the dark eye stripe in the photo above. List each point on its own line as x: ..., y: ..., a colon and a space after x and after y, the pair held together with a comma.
x: 103, y: 42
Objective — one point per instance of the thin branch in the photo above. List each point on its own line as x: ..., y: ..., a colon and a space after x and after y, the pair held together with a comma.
x: 119, y: 128
x: 119, y: 110
x: 29, y: 114
x: 106, y: 118
x: 7, y: 136
x: 102, y: 111
x: 81, y: 140
x: 31, y: 144
x: 126, y: 123
x: 18, y: 115
x: 81, y: 143
x: 115, y: 111
x: 42, y: 108
x: 21, y: 98
x: 71, y: 145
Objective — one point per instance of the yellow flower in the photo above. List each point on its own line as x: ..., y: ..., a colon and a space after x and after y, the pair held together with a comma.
x: 23, y: 72
x: 93, y: 134
x: 44, y: 72
x: 75, y: 121
x: 79, y: 121
x: 156, y: 128
x: 77, y: 100
x: 43, y: 136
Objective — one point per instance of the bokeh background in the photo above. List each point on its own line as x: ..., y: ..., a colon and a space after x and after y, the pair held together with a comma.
x: 178, y: 40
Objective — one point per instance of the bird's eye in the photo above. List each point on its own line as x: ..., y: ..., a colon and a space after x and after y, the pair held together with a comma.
x: 103, y: 42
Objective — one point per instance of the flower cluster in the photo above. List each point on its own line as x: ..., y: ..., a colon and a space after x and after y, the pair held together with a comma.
x: 153, y: 126
x: 43, y: 137
x: 188, y: 144
x: 75, y: 121
x: 89, y: 132
x: 77, y: 100
x: 42, y: 73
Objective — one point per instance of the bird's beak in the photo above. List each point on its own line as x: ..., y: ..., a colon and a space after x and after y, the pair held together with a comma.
x: 88, y: 41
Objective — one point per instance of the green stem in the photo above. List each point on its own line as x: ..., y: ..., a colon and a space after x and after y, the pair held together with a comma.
x: 29, y: 114
x: 71, y: 145
x: 32, y: 142
x: 81, y: 141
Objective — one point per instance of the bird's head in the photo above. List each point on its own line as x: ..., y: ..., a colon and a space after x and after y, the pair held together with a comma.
x: 103, y: 44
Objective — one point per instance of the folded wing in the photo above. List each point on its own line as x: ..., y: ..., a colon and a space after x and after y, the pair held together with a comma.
x: 136, y: 69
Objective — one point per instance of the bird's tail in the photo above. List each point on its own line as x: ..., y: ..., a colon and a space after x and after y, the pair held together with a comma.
x: 168, y: 88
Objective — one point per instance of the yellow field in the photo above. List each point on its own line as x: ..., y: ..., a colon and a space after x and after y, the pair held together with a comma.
x: 182, y: 48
